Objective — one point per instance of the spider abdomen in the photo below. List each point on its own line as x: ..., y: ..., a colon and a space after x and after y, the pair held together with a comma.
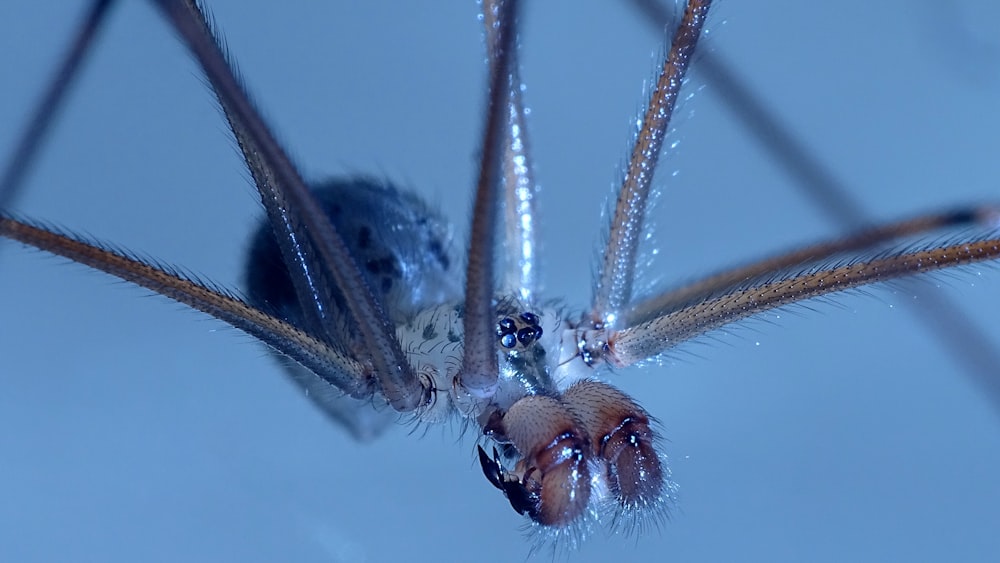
x: 402, y: 248
x: 400, y: 244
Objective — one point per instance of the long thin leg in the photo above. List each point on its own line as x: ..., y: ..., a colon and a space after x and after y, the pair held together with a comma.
x: 829, y: 195
x: 617, y: 270
x: 939, y: 314
x: 479, y: 362
x: 322, y: 359
x: 309, y: 278
x: 519, y: 188
x: 301, y: 219
x: 50, y: 103
x: 984, y: 217
x: 670, y: 328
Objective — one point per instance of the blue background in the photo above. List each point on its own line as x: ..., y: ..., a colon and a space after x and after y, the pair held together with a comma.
x: 132, y: 429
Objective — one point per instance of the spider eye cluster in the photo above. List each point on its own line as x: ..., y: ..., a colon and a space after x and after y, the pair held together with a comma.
x: 518, y: 332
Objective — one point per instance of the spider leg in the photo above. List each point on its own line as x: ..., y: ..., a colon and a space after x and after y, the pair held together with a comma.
x: 30, y: 141
x: 479, y: 361
x: 520, y: 193
x: 670, y: 327
x: 314, y: 250
x: 613, y: 290
x: 983, y: 218
x: 939, y: 314
x: 338, y: 369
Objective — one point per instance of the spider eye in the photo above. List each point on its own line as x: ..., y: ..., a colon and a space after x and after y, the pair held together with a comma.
x: 527, y: 335
x: 505, y: 326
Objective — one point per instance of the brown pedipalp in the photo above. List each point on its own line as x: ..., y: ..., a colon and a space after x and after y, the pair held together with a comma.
x: 621, y: 437
x: 552, y: 476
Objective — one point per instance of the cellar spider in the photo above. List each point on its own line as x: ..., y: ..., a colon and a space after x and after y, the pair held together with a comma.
x: 838, y: 433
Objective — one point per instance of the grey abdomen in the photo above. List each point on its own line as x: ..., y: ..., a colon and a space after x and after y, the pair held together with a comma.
x: 402, y: 248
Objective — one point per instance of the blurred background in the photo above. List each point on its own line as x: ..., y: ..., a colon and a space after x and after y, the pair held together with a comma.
x: 133, y: 429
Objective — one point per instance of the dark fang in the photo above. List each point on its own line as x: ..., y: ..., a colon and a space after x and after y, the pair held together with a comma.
x: 521, y: 500
x: 491, y: 468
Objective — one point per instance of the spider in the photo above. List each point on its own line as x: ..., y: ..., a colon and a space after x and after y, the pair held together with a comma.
x: 205, y: 401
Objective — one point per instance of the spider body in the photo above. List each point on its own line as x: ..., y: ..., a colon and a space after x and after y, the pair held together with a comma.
x: 758, y: 435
